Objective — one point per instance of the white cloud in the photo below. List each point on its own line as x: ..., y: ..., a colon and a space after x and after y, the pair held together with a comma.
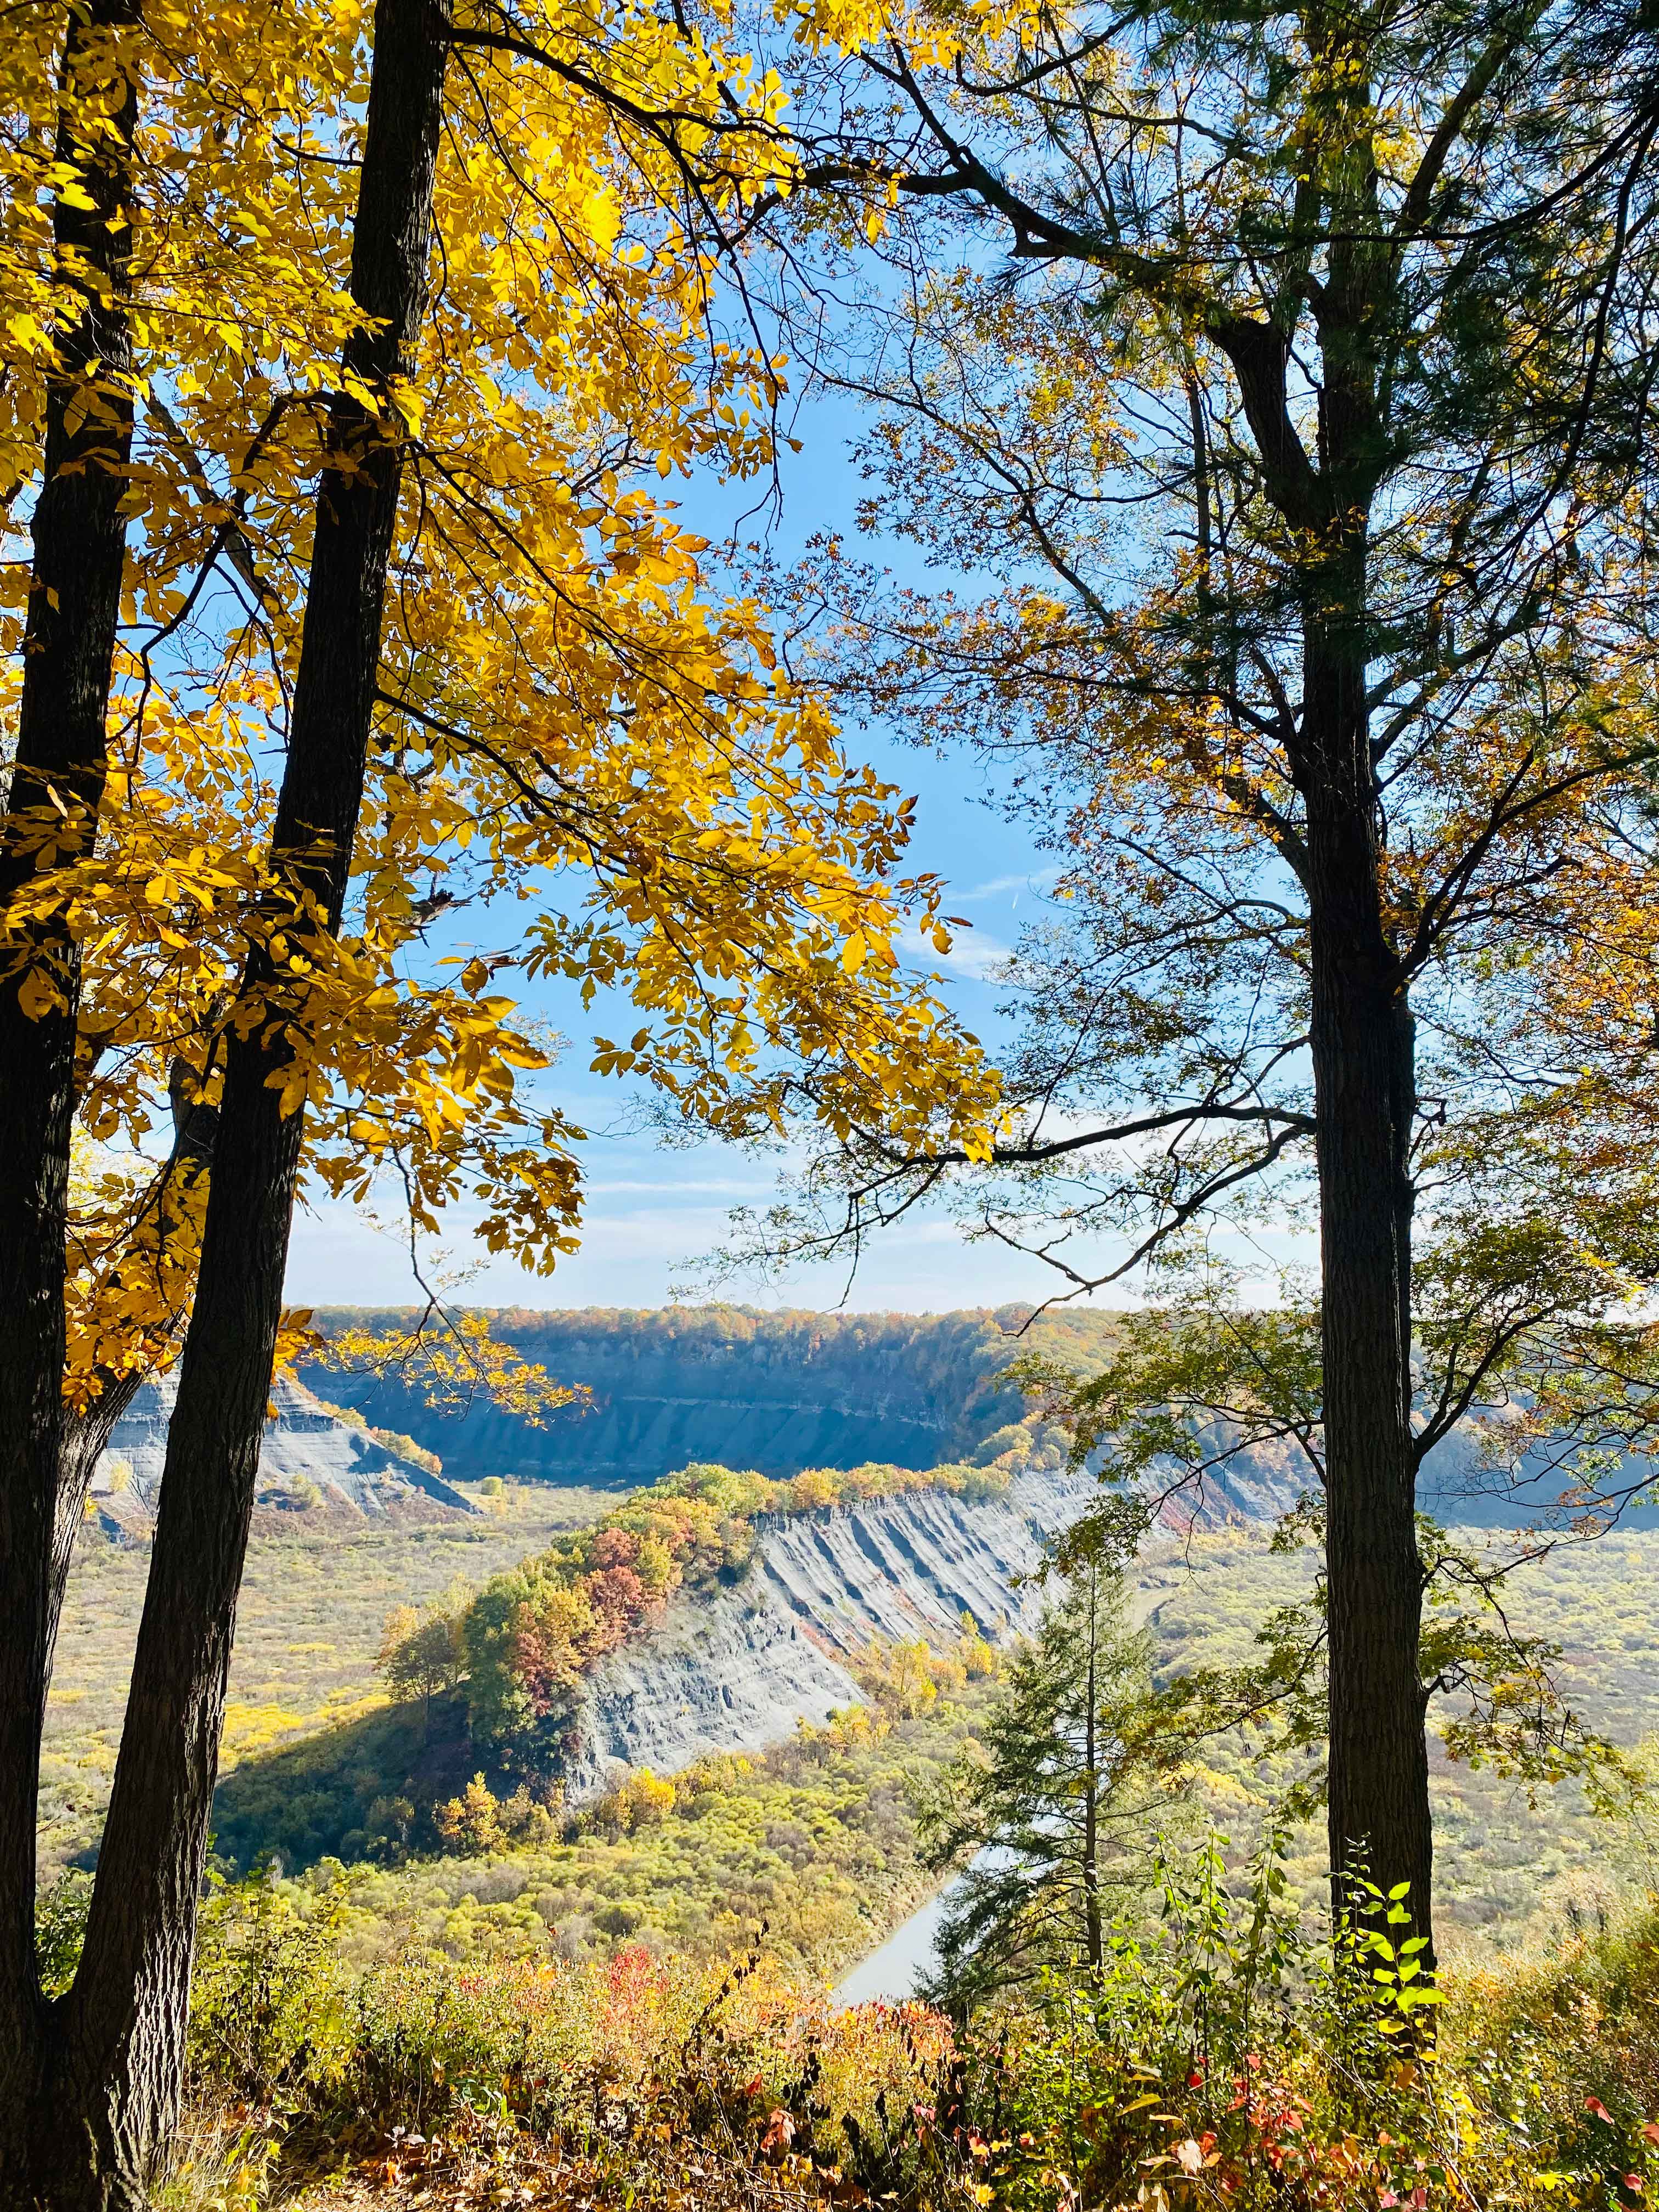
x: 972, y: 954
x: 1034, y: 879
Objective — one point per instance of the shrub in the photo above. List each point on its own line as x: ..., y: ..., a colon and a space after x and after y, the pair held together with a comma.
x: 60, y: 1926
x: 529, y: 1823
x: 388, y: 1826
x: 642, y: 1799
x: 271, y: 2012
x: 642, y: 2080
x: 471, y: 1823
x: 908, y: 1678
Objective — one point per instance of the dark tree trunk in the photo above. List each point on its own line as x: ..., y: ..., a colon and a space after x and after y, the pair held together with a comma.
x: 57, y: 788
x: 81, y: 1445
x: 1379, y: 1816
x: 113, y: 2094
x: 1360, y: 1042
x: 1380, y: 1822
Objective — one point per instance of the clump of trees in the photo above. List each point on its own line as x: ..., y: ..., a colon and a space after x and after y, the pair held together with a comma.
x: 341, y: 353
x: 423, y: 1653
x: 477, y: 1822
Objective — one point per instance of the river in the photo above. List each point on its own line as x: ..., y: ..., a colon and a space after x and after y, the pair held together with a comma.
x: 894, y: 1971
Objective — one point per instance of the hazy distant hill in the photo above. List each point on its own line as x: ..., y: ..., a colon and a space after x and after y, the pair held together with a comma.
x: 776, y: 1391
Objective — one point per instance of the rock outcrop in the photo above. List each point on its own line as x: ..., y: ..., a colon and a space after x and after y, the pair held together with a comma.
x: 308, y: 1448
x: 736, y: 1671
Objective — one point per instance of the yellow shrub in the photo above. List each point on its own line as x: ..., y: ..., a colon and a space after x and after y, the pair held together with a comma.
x: 471, y: 1823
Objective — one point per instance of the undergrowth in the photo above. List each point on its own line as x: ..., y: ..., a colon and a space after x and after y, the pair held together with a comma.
x: 1221, y: 2059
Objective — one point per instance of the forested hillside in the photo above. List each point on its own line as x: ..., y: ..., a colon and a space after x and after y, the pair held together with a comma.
x: 774, y: 1391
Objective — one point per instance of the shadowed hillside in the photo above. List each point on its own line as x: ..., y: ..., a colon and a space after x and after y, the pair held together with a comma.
x: 774, y: 1391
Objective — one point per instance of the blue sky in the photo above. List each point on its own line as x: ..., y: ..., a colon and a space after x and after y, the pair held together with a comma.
x: 650, y: 1210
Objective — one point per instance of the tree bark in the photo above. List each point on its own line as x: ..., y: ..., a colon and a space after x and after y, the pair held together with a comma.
x: 1361, y: 1036
x: 57, y: 790
x: 113, y: 2094
x: 1380, y: 1823
x: 1379, y: 1818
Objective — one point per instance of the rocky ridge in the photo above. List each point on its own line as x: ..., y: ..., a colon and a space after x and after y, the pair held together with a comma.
x: 738, y: 1670
x: 775, y: 1391
x: 308, y: 1449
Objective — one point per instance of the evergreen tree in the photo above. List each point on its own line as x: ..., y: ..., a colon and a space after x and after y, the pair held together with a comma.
x: 1051, y: 1804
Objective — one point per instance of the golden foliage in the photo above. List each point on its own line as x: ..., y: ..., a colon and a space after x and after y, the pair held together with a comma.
x: 579, y: 737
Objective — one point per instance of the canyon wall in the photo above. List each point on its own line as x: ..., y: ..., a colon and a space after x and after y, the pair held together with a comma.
x: 738, y: 1670
x: 774, y: 1391
x: 307, y: 1448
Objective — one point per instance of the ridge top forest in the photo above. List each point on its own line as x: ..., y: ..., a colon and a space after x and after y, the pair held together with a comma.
x: 1280, y: 381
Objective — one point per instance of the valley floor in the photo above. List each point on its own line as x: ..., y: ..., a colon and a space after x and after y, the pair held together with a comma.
x: 318, y: 1589
x: 816, y: 1839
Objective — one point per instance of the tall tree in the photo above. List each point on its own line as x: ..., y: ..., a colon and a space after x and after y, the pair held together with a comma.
x: 52, y: 801
x: 1295, y: 429
x: 1054, y: 1804
x: 115, y: 2076
x: 553, y: 696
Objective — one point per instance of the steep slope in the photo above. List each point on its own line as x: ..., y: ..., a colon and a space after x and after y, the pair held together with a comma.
x: 305, y: 1442
x: 737, y: 1670
x: 778, y: 1392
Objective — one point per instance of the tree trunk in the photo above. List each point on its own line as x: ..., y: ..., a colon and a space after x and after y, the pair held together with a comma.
x: 1361, y: 1048
x: 57, y: 790
x: 1093, y: 1937
x: 1379, y: 1818
x: 113, y: 2095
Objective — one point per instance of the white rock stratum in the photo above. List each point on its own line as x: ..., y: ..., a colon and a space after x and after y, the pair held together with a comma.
x: 736, y: 1669
x: 303, y: 1441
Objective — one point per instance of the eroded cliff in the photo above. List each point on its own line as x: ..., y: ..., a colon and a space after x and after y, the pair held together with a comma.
x: 308, y: 1448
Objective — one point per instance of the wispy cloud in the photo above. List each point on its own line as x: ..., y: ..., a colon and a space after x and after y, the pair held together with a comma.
x: 972, y: 954
x: 1035, y: 879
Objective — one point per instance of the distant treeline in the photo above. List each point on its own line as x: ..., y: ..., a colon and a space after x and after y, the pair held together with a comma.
x: 778, y: 1392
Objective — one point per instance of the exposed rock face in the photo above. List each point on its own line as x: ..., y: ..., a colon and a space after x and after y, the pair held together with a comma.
x: 737, y: 1672
x: 913, y: 1566
x: 730, y: 1673
x: 303, y: 1444
x: 775, y: 1391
